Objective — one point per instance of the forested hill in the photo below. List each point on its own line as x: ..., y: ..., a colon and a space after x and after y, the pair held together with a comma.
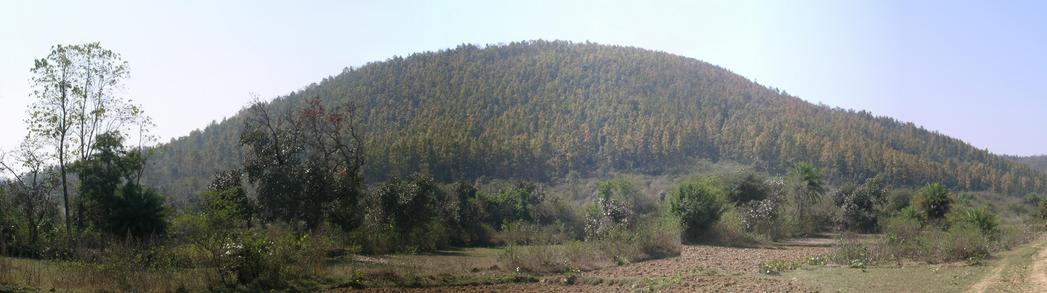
x: 1035, y: 162
x: 543, y: 110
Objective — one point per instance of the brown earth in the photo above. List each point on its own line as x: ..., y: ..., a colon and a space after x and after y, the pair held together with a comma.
x: 697, y: 269
x: 712, y: 259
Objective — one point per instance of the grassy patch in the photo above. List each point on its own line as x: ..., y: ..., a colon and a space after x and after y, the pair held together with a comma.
x: 68, y: 276
x: 919, y: 278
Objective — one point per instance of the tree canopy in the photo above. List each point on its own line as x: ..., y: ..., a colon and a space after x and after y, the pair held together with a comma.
x: 544, y: 110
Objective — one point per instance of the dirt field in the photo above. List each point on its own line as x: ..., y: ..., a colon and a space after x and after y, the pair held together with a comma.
x: 697, y: 269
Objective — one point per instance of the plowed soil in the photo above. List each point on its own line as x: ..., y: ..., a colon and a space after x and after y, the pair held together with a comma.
x: 697, y: 269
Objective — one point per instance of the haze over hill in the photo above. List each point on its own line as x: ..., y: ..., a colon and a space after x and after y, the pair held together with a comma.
x: 1036, y: 162
x: 544, y: 110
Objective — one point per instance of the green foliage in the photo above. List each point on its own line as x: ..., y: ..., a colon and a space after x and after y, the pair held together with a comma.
x: 468, y: 216
x: 980, y: 218
x: 75, y: 89
x: 617, y: 199
x: 412, y: 206
x: 226, y: 204
x: 139, y: 212
x: 963, y: 241
x: 698, y: 204
x: 112, y: 200
x: 28, y: 213
x: 933, y: 201
x: 254, y: 261
x: 776, y: 267
x: 1042, y: 209
x: 649, y: 239
x: 747, y: 187
x: 617, y: 204
x: 897, y: 199
x: 970, y: 235
x: 851, y: 252
x: 859, y: 205
x: 808, y: 183
x: 306, y: 163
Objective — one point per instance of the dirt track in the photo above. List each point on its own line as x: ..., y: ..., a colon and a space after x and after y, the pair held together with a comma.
x: 1017, y: 271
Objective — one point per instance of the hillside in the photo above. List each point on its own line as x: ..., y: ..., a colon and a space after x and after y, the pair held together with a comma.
x: 1036, y: 162
x: 544, y: 110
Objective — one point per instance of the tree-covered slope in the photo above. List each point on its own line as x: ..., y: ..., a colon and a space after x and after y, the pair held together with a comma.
x: 1035, y: 162
x: 543, y: 110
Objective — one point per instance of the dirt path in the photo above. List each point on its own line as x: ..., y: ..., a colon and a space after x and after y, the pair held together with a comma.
x: 993, y: 277
x: 1038, y: 278
x: 1022, y: 270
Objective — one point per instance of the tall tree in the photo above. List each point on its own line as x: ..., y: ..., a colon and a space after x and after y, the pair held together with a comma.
x: 75, y: 90
x: 307, y: 163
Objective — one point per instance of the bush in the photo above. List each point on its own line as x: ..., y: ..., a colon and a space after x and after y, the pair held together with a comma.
x: 859, y: 203
x: 776, y: 267
x: 731, y: 230
x: 761, y: 217
x: 1042, y: 212
x: 933, y: 201
x: 698, y: 204
x: 412, y: 206
x: 851, y: 252
x: 964, y: 241
x: 897, y: 200
x: 747, y: 187
x: 977, y: 217
x: 621, y: 245
x: 524, y: 233
x: 273, y: 260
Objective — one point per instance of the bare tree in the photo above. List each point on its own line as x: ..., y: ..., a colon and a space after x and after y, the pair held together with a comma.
x: 32, y: 184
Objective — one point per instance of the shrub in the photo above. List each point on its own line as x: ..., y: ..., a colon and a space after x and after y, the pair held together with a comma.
x: 981, y: 218
x: 776, y: 267
x: 524, y: 233
x: 412, y: 206
x: 858, y: 204
x: 897, y: 200
x: 226, y: 203
x: 648, y: 240
x: 964, y: 241
x: 698, y: 204
x: 761, y: 217
x: 747, y: 187
x: 731, y: 230
x: 933, y: 201
x: 620, y: 202
x: 273, y: 260
x: 851, y: 252
x: 1042, y: 213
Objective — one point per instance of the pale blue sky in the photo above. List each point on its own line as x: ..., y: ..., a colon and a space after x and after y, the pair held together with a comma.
x: 975, y: 70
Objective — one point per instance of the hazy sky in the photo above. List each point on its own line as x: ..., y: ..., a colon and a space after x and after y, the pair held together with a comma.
x: 975, y: 70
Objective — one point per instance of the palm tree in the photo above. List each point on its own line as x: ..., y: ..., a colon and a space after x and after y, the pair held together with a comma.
x: 809, y: 188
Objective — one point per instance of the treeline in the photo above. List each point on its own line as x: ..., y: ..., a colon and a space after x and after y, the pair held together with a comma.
x: 1035, y: 162
x: 543, y: 111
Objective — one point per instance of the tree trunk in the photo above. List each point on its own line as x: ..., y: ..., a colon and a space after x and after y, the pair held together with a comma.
x: 65, y: 190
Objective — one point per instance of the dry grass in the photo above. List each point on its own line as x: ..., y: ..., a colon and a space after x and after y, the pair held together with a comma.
x: 76, y: 277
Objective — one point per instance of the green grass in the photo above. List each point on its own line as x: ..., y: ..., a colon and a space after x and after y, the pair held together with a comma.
x: 951, y: 277
x: 917, y: 278
x: 1017, y: 264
